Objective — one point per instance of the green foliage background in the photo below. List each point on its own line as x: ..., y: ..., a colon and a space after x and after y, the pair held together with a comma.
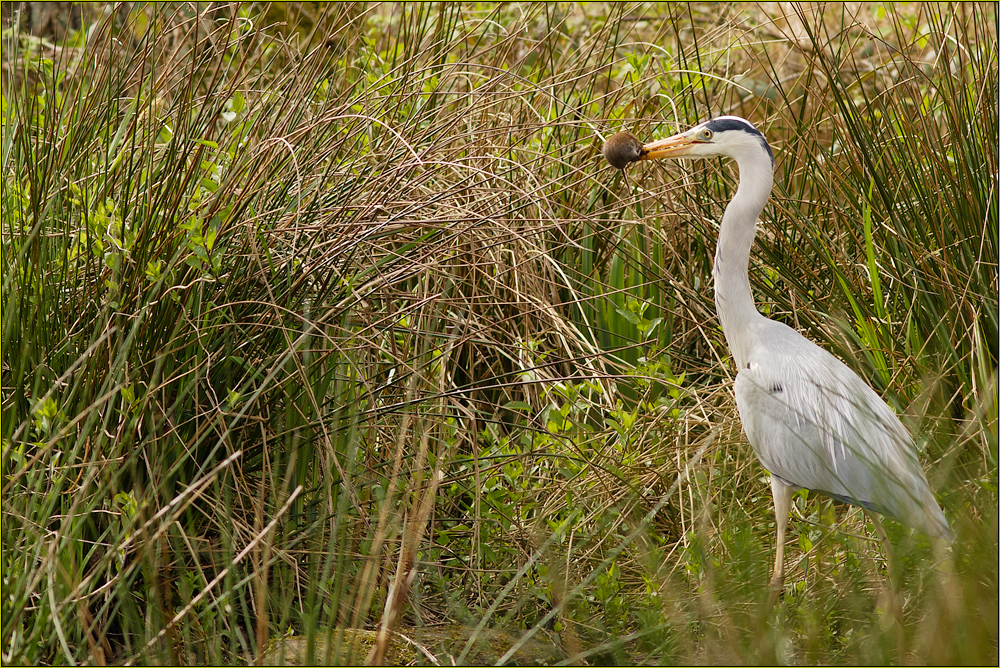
x: 296, y: 297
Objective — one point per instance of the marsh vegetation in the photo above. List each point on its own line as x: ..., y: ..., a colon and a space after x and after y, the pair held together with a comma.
x: 326, y: 317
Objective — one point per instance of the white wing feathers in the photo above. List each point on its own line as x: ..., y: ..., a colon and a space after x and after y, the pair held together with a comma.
x: 815, y: 424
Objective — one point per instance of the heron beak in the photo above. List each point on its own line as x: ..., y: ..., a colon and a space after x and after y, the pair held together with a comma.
x: 672, y: 147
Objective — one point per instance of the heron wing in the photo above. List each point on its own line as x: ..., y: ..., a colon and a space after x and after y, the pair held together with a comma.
x: 815, y: 424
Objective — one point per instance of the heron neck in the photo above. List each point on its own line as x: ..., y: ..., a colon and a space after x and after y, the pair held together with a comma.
x: 733, y: 299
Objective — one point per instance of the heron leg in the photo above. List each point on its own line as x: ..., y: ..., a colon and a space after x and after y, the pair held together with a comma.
x: 884, y: 538
x: 782, y: 494
x: 890, y: 593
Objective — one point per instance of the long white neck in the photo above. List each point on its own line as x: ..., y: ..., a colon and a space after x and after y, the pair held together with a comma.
x: 733, y: 299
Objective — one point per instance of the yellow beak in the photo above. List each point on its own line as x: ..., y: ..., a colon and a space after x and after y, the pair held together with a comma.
x: 671, y: 147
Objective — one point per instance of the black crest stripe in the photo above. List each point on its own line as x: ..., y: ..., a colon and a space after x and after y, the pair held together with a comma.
x: 724, y: 124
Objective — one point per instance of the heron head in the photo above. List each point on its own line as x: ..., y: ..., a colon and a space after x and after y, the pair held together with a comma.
x: 728, y: 136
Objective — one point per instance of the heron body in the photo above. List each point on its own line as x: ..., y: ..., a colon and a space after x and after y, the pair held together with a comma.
x: 811, y: 421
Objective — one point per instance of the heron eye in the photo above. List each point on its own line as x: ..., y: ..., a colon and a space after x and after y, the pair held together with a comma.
x: 705, y: 134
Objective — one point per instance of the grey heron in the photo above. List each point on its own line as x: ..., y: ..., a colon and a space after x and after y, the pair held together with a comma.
x: 811, y: 421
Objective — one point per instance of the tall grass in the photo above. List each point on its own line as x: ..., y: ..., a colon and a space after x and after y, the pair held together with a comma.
x: 317, y: 319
